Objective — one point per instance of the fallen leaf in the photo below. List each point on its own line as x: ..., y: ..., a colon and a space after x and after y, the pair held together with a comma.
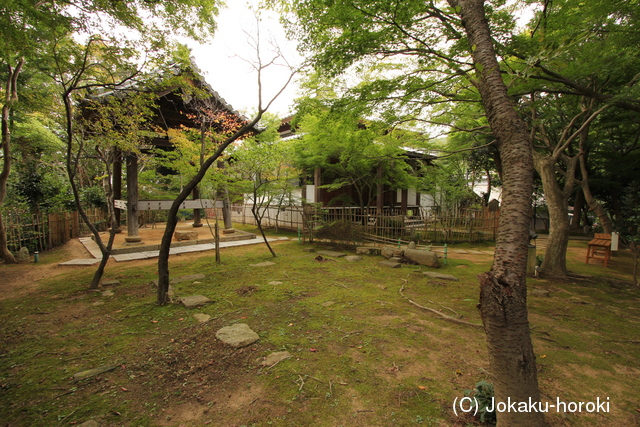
x: 123, y: 389
x: 421, y: 387
x: 313, y: 349
x: 181, y: 319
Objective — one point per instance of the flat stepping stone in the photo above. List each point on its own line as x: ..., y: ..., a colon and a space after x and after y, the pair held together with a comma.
x: 327, y: 304
x: 194, y: 301
x: 188, y: 278
x: 201, y: 317
x: 389, y: 264
x: 441, y: 276
x: 276, y: 357
x: 238, y: 335
x: 93, y: 372
x: 275, y: 282
x: 540, y: 292
x: 362, y: 250
x: 353, y: 258
x: 262, y: 264
x: 110, y: 282
x: 332, y: 254
x: 131, y: 257
x: 108, y: 293
x: 79, y: 261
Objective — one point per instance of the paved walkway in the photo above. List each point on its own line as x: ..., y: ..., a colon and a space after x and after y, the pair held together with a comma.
x: 93, y: 248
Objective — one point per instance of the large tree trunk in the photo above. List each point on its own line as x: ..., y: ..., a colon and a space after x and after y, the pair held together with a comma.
x: 503, y: 292
x: 10, y: 98
x: 594, y: 205
x: 5, y: 253
x: 555, y: 258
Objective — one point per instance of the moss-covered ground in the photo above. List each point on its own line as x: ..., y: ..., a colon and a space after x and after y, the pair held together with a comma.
x: 362, y: 355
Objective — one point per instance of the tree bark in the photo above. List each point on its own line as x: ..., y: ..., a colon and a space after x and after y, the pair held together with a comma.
x: 557, y: 198
x: 503, y: 292
x: 73, y: 163
x: 577, y: 210
x: 594, y: 205
x: 10, y: 98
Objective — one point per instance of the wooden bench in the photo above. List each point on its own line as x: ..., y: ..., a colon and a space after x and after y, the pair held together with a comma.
x: 600, y: 248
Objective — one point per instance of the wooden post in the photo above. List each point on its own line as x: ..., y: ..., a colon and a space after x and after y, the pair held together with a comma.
x: 380, y: 195
x: 217, y: 242
x: 317, y: 182
x: 197, y: 217
x: 132, y: 200
x: 117, y: 186
x: 404, y: 202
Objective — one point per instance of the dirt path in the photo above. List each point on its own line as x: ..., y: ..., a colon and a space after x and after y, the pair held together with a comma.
x: 17, y: 280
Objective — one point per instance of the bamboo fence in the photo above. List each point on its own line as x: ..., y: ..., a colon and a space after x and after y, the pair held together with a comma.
x: 41, y: 232
x: 424, y: 224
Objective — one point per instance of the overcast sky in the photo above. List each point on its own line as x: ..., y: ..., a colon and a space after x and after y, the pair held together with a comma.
x: 227, y: 62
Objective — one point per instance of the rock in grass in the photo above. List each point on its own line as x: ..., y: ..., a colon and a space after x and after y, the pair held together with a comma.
x: 201, y: 317
x: 441, y: 276
x: 238, y: 335
x: 540, y: 292
x: 332, y: 254
x: 93, y: 372
x: 110, y: 283
x: 389, y: 264
x: 428, y: 258
x: 188, y: 278
x: 389, y: 252
x: 276, y: 357
x: 262, y: 264
x: 353, y: 258
x: 23, y: 255
x: 194, y: 301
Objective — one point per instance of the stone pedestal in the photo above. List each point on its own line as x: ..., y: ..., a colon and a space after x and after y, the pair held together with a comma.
x: 133, y: 240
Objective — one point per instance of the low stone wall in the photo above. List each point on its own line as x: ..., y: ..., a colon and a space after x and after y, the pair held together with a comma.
x: 238, y: 235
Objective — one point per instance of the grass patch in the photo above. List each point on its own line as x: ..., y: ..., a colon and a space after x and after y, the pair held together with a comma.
x: 361, y: 355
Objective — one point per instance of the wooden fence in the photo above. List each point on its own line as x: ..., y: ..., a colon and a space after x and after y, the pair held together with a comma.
x: 41, y: 232
x: 425, y: 224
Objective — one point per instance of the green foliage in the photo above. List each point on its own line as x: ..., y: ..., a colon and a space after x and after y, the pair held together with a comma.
x: 190, y: 147
x: 93, y: 196
x: 353, y: 152
x: 483, y: 396
x: 263, y: 169
x: 342, y: 233
x: 630, y: 222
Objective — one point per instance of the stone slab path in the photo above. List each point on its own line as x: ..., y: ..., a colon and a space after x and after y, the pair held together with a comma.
x: 93, y: 248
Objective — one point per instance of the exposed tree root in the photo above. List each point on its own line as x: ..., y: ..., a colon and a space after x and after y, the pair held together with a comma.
x: 444, y: 316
